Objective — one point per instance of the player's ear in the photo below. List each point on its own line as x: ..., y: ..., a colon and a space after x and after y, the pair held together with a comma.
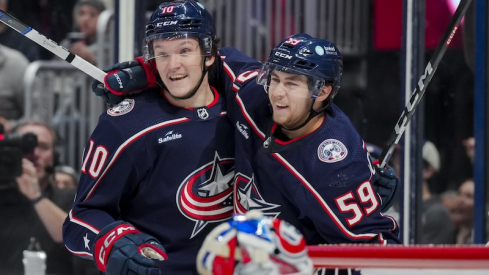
x: 209, y: 60
x: 325, y: 92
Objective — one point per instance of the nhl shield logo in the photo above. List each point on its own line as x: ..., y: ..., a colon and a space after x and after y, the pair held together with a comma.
x: 267, y: 142
x: 202, y: 113
x: 332, y: 150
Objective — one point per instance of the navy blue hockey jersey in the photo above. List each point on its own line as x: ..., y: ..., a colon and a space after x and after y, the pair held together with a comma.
x: 320, y: 182
x: 166, y: 170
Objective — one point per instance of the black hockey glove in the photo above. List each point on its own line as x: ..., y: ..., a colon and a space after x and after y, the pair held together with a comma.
x: 121, y: 249
x: 386, y: 185
x: 125, y: 79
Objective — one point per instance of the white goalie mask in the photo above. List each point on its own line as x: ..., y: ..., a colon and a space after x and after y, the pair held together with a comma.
x: 252, y: 244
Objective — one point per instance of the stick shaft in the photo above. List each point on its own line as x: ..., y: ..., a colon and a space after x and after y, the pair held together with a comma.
x: 52, y: 46
x: 422, y: 83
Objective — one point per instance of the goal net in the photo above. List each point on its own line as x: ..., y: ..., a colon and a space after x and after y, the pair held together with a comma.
x: 403, y: 260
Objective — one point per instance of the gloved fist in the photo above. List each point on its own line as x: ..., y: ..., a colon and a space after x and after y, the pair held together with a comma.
x: 386, y: 185
x: 100, y: 90
x: 123, y: 79
x: 121, y: 249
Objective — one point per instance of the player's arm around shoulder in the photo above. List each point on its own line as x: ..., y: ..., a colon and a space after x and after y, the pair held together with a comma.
x: 238, y: 61
x: 232, y: 68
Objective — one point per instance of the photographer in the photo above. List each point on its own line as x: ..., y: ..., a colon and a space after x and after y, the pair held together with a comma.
x: 82, y: 42
x: 31, y: 207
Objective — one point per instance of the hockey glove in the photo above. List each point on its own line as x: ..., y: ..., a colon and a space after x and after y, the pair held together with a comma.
x: 124, y: 79
x: 121, y: 249
x: 386, y: 185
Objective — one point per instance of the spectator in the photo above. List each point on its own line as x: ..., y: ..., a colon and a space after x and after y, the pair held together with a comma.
x: 83, y: 41
x: 449, y: 199
x: 12, y: 67
x: 65, y: 177
x: 436, y: 223
x: 464, y: 213
x: 469, y: 145
x: 31, y: 207
x: 14, y: 40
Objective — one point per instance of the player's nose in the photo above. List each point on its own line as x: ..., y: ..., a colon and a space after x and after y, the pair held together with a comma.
x: 175, y: 61
x: 279, y: 90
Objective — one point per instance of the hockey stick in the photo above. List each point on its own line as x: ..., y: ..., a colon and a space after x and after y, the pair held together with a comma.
x: 52, y: 46
x: 420, y: 88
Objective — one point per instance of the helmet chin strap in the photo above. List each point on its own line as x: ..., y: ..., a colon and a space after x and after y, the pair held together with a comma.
x: 204, y: 72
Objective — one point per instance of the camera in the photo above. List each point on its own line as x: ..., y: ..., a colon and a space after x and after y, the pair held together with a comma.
x: 12, y: 148
x: 74, y: 37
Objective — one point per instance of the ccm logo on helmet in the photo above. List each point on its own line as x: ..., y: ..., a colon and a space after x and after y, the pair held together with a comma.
x: 283, y: 55
x: 167, y: 23
x: 110, y: 239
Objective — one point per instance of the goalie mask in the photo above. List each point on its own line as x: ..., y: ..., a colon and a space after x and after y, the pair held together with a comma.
x: 180, y: 19
x: 317, y: 59
x: 255, y: 245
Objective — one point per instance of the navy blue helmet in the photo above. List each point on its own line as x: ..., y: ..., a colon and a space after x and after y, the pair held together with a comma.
x: 318, y: 59
x: 186, y: 18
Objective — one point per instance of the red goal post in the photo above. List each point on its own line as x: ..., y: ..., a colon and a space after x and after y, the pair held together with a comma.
x: 399, y: 256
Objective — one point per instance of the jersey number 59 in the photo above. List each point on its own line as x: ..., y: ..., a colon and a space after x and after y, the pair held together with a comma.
x: 368, y: 202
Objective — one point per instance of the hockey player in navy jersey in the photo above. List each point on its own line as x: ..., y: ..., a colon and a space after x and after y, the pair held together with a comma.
x: 158, y: 169
x: 306, y: 163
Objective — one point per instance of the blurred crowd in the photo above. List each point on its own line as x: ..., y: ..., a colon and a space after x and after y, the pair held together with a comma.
x: 34, y: 204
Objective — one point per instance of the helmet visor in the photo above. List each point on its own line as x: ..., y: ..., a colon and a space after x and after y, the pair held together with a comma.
x: 294, y: 82
x: 165, y: 44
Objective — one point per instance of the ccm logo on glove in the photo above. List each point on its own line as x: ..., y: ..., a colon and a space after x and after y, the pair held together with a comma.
x: 119, y: 81
x: 103, y: 245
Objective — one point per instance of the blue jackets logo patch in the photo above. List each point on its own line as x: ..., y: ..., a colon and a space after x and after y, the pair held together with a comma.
x: 332, y: 150
x: 247, y: 197
x: 123, y: 107
x: 206, y: 196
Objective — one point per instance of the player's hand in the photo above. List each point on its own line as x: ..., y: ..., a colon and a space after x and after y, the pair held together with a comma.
x: 7, y: 126
x: 124, y: 79
x: 28, y: 182
x: 386, y: 185
x: 121, y: 249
